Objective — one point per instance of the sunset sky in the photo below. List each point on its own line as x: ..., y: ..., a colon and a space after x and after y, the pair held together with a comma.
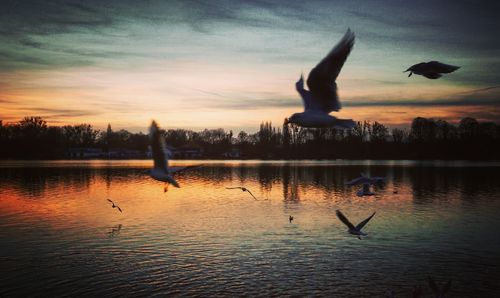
x: 232, y: 64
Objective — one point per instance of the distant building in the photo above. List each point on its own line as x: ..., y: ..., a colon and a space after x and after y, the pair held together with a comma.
x: 233, y: 153
x: 192, y: 151
x: 84, y: 152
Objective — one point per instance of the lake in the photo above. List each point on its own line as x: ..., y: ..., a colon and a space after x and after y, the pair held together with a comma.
x: 59, y: 235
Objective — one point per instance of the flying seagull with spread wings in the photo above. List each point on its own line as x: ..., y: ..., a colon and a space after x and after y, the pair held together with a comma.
x: 114, y: 205
x: 355, y: 230
x: 161, y: 171
x: 322, y: 98
x: 366, y: 180
x: 432, y: 69
x: 243, y: 189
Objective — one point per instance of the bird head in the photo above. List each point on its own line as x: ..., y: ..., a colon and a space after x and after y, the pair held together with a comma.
x: 410, y: 70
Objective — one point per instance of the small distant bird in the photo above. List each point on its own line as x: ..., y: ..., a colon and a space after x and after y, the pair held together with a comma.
x: 439, y: 292
x: 322, y: 98
x: 115, y: 206
x: 290, y: 219
x: 365, y: 191
x: 243, y: 189
x: 432, y: 69
x: 354, y: 230
x: 161, y: 171
x: 395, y: 191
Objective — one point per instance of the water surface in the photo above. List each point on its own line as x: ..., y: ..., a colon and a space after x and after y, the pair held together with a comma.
x: 60, y: 237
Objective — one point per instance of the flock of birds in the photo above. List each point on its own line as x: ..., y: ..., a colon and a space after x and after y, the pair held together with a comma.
x: 318, y: 101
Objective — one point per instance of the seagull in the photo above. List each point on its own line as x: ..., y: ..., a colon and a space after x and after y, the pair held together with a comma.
x: 365, y: 191
x: 355, y: 230
x: 439, y: 292
x: 161, y: 171
x: 432, y: 69
x: 115, y: 206
x: 322, y: 98
x: 290, y: 218
x: 366, y: 180
x: 243, y: 189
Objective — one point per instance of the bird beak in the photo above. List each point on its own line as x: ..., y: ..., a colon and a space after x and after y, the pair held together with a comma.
x: 286, y: 121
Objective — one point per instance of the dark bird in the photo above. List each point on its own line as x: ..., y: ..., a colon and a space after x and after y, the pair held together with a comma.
x: 243, y: 189
x: 439, y: 292
x: 290, y: 218
x: 322, y: 98
x: 114, y: 205
x: 161, y: 171
x: 432, y: 69
x: 354, y: 230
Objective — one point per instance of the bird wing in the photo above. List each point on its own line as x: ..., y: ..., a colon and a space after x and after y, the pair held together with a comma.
x: 175, y: 170
x: 364, y: 222
x: 158, y: 147
x: 251, y: 194
x: 307, y: 98
x: 359, y: 180
x: 110, y: 201
x: 321, y: 79
x: 344, y: 220
x: 119, y: 208
x: 436, y: 66
x: 237, y: 187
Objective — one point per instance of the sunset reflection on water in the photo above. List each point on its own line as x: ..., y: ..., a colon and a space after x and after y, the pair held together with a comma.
x: 56, y: 224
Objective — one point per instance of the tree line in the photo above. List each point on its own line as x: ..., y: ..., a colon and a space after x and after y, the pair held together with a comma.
x: 32, y: 138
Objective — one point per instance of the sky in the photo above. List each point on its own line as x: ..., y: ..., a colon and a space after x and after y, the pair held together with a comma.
x: 233, y: 64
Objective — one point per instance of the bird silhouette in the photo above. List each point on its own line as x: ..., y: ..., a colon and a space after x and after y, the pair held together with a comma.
x: 322, y: 98
x: 431, y: 70
x: 290, y: 218
x: 243, y: 189
x: 114, y: 205
x: 354, y: 230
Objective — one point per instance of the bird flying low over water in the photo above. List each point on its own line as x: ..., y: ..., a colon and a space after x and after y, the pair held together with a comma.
x: 290, y: 218
x: 354, y: 230
x: 322, y: 98
x: 114, y: 205
x: 243, y: 189
x: 161, y: 171
x: 432, y: 69
x: 366, y: 180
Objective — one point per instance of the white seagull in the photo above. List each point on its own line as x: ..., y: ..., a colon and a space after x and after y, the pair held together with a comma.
x: 322, y: 98
x: 355, y: 230
x: 161, y: 171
